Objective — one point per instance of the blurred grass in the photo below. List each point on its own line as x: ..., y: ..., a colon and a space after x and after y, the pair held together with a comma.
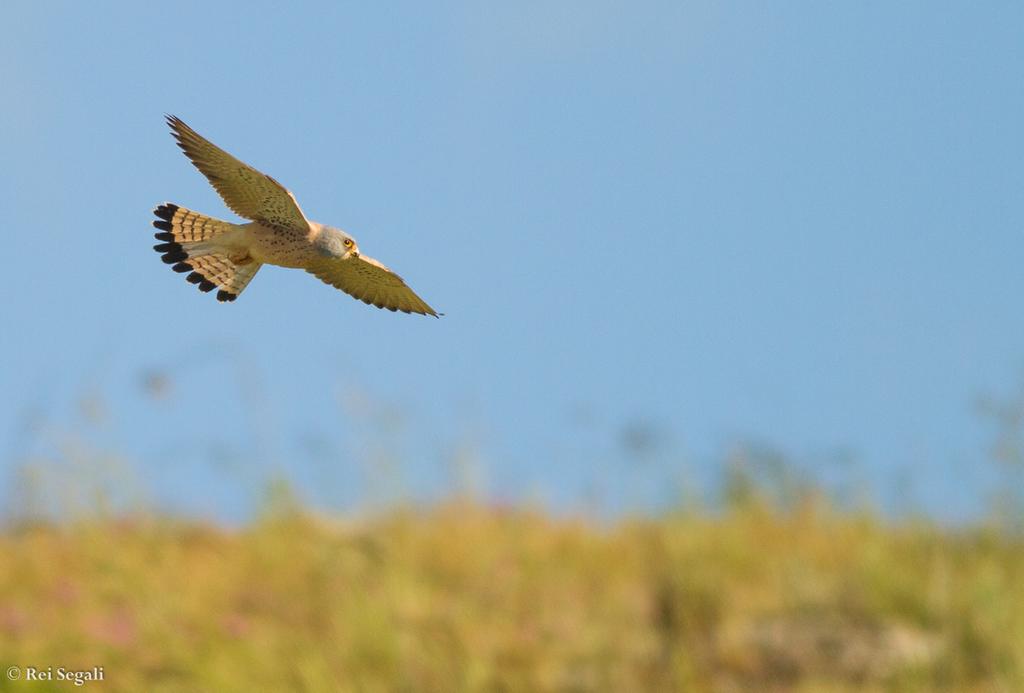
x: 462, y: 596
x: 774, y: 587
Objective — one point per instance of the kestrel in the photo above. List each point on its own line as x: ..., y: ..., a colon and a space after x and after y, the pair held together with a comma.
x: 222, y: 255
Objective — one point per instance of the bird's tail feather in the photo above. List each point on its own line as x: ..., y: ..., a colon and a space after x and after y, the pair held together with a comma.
x: 187, y: 243
x: 180, y: 225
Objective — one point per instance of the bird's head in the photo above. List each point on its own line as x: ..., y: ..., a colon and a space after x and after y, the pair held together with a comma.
x: 335, y: 243
x: 349, y: 246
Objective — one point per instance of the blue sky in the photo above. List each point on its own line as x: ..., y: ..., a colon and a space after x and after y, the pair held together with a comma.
x: 797, y: 224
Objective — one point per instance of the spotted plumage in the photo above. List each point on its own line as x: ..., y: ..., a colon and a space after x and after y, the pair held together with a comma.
x: 225, y: 256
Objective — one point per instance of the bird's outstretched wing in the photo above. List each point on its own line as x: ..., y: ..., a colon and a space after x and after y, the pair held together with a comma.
x: 245, y: 190
x: 371, y: 282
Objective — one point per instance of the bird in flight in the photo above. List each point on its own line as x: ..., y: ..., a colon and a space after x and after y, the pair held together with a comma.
x: 225, y: 256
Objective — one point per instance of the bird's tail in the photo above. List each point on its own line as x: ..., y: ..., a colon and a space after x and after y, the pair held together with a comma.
x: 188, y: 244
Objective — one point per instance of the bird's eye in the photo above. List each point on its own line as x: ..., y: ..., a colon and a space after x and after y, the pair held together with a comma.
x: 348, y: 242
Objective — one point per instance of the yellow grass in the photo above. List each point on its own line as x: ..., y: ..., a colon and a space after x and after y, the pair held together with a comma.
x: 463, y: 597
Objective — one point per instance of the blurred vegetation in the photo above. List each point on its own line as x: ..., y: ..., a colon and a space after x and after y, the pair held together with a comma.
x: 772, y: 586
x: 759, y: 594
